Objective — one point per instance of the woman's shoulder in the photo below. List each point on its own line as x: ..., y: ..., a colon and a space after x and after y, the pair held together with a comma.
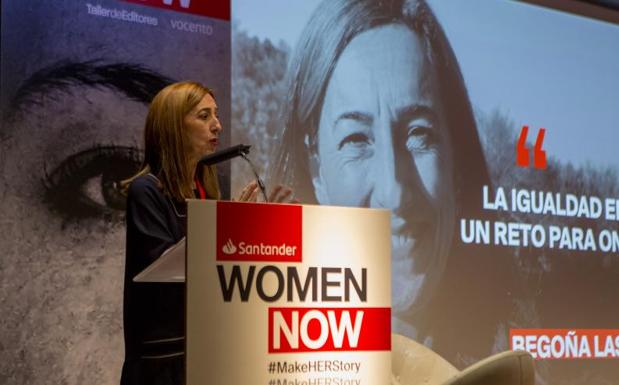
x: 144, y: 184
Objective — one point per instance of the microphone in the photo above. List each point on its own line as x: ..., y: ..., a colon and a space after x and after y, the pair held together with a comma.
x: 232, y: 152
x: 226, y: 154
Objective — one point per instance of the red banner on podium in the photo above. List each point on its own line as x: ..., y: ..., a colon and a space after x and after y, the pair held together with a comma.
x: 258, y: 232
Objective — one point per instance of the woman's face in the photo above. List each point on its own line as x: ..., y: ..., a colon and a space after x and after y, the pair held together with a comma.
x: 382, y: 143
x: 203, y: 127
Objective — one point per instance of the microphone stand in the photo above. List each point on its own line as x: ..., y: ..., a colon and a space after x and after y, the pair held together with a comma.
x: 260, y: 182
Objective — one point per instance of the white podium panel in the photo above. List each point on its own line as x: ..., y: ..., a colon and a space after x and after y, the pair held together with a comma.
x: 287, y: 294
x: 169, y: 267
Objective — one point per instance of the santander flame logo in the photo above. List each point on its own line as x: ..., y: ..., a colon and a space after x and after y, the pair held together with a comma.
x: 229, y: 248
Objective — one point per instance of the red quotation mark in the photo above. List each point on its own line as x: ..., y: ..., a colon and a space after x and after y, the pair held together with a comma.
x: 523, y: 156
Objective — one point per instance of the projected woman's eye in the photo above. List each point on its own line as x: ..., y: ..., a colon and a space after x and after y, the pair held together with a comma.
x: 86, y: 184
x: 422, y: 136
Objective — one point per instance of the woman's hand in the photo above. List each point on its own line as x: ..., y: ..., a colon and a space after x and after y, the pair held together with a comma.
x: 280, y: 194
x: 249, y: 192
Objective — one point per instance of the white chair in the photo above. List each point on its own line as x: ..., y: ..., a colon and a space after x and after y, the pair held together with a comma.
x: 414, y: 364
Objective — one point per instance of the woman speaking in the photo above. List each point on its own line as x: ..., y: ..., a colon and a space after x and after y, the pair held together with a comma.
x: 181, y: 127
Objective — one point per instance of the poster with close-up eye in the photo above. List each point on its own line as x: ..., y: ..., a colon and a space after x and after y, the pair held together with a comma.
x: 488, y: 128
x: 76, y: 81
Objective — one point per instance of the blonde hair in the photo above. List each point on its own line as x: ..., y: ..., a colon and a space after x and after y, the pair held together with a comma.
x: 165, y: 142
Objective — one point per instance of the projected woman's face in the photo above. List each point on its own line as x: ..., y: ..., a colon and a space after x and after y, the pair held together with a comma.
x: 62, y: 227
x: 382, y: 143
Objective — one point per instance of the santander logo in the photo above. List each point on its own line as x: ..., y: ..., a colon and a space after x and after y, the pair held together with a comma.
x: 229, y: 247
x: 269, y: 233
x: 259, y: 249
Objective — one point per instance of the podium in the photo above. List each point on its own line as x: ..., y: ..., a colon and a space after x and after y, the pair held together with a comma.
x: 284, y: 294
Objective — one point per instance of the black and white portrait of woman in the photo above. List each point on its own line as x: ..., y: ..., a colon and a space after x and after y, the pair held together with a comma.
x: 414, y: 106
x: 76, y: 85
x: 378, y: 116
